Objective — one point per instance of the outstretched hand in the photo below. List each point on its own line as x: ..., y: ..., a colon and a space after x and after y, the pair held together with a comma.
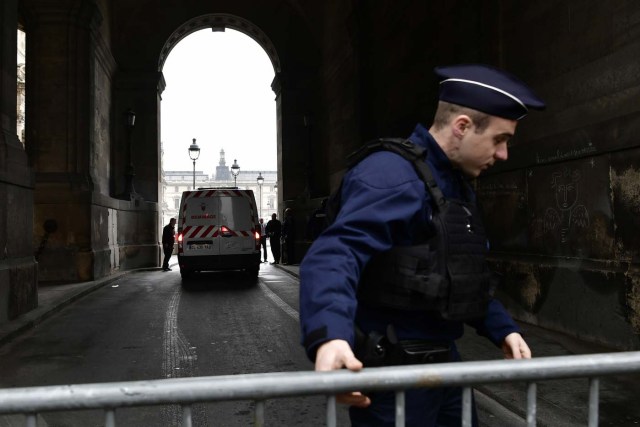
x: 515, y: 347
x: 337, y: 354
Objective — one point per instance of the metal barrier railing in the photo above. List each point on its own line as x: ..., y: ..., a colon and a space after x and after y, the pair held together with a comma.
x: 259, y: 387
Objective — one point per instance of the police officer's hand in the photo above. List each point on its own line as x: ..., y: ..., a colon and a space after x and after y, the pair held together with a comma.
x: 515, y: 347
x: 337, y: 354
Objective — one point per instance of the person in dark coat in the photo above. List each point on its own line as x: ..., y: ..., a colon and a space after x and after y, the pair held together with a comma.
x: 263, y: 238
x: 386, y: 209
x: 168, y: 233
x: 274, y: 231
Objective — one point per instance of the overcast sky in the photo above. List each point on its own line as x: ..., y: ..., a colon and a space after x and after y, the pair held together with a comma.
x: 219, y: 92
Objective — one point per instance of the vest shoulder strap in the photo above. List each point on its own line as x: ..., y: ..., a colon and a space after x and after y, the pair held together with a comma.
x: 404, y: 148
x: 409, y: 151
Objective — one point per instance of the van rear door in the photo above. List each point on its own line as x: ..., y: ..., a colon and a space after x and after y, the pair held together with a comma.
x: 236, y: 221
x: 201, y: 225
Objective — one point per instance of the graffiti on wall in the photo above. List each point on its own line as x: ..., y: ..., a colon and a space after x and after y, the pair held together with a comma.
x: 568, y: 214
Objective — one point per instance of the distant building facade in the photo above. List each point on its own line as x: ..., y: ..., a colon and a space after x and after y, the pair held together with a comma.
x: 175, y: 182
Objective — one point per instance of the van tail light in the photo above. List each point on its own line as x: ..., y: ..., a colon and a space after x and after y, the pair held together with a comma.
x: 180, y: 244
x: 257, y: 236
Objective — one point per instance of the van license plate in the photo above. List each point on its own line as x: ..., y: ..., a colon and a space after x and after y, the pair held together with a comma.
x: 197, y: 246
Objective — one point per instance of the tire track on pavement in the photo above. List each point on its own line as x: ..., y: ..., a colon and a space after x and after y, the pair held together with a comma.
x: 178, y: 361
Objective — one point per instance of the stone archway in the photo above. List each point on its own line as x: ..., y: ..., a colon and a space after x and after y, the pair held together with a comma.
x: 220, y: 21
x: 211, y: 24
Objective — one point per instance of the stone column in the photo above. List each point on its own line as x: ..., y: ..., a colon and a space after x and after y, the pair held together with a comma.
x: 60, y: 119
x: 293, y: 139
x: 139, y: 219
x: 18, y: 269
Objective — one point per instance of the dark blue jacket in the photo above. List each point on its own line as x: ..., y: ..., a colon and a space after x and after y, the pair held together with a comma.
x: 384, y: 202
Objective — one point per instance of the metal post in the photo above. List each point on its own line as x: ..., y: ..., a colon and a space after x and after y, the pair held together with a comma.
x: 194, y: 153
x: 235, y: 170
x: 400, y: 408
x: 260, y: 180
x: 186, y: 416
x: 466, y: 407
x: 110, y: 418
x: 594, y: 400
x: 532, y: 390
x: 259, y: 413
x: 331, y: 411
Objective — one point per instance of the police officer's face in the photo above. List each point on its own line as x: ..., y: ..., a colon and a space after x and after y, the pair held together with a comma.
x: 479, y: 151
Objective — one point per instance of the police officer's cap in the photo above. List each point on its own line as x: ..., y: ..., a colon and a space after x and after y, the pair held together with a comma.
x: 487, y: 89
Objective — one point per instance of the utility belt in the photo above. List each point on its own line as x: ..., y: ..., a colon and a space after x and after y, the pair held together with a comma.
x: 375, y: 349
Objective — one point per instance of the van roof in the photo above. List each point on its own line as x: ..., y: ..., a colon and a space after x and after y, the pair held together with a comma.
x: 217, y: 188
x: 211, y: 191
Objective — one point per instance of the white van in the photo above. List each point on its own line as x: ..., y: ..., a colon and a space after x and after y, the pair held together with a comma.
x: 218, y: 229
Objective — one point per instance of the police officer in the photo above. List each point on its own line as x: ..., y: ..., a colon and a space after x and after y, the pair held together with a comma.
x: 385, y: 206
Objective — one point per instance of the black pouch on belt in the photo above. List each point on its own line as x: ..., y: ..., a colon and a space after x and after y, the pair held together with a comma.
x: 371, y: 349
x: 414, y: 352
x: 375, y: 349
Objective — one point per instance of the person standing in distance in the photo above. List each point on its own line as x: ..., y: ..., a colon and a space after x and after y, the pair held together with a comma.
x: 352, y: 292
x: 274, y: 230
x: 263, y: 238
x: 168, y: 233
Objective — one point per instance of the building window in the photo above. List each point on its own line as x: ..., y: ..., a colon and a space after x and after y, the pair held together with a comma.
x: 176, y: 203
x: 20, y: 110
x: 177, y: 190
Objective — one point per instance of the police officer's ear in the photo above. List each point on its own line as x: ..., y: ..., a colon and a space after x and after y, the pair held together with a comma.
x: 460, y: 125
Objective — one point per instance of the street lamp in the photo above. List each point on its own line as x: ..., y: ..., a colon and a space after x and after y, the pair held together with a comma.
x: 260, y: 180
x: 194, y: 153
x: 235, y: 170
x: 130, y: 121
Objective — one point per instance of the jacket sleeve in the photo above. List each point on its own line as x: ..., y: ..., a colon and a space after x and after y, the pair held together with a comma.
x: 381, y: 198
x: 497, y: 324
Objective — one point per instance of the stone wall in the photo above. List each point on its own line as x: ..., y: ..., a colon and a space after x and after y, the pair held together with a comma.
x: 18, y: 268
x: 563, y: 210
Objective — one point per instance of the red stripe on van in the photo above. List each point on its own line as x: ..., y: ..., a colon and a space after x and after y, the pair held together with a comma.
x: 208, y: 231
x: 195, y: 232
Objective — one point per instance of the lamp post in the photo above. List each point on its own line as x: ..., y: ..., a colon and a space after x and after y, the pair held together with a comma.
x: 130, y: 121
x: 260, y: 180
x: 235, y: 170
x: 194, y: 153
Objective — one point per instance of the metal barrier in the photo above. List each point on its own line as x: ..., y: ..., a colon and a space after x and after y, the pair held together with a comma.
x: 259, y: 387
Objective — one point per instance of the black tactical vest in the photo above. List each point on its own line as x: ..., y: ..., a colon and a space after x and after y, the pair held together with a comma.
x: 445, y: 273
